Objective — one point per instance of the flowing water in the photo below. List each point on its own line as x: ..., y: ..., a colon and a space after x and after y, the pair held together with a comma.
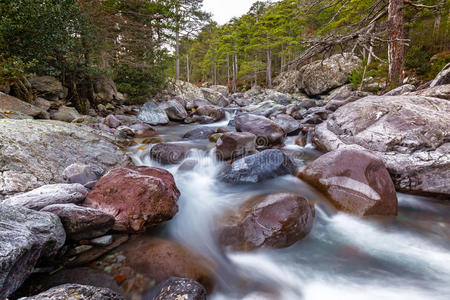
x: 344, y: 257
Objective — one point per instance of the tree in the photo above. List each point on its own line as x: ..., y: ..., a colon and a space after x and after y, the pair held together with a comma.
x: 396, y: 49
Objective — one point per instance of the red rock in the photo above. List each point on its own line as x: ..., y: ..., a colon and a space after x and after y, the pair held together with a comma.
x: 356, y: 181
x: 274, y: 220
x: 267, y: 131
x: 214, y: 112
x: 232, y: 145
x: 301, y: 141
x: 112, y: 121
x: 138, y: 197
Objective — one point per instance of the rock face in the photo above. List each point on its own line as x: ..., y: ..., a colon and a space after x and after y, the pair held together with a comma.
x: 267, y: 131
x: 406, y: 88
x: 105, y: 91
x: 214, y: 112
x: 174, y: 110
x: 48, y: 195
x: 48, y: 87
x: 81, y: 223
x: 25, y: 237
x: 233, y: 145
x: 439, y: 91
x: 275, y: 221
x: 152, y: 199
x: 286, y: 82
x: 176, y: 288
x: 409, y: 133
x: 321, y: 76
x: 14, y: 105
x: 39, y: 151
x: 166, y: 153
x: 152, y: 114
x: 255, y: 168
x: 161, y: 259
x: 87, y: 175
x: 76, y: 291
x: 214, y: 97
x: 356, y: 181
x: 201, y: 133
x: 184, y: 90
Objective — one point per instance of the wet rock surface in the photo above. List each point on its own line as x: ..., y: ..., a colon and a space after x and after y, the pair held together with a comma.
x: 232, y: 145
x: 166, y: 153
x: 176, y: 288
x: 267, y: 131
x: 87, y: 175
x: 152, y: 114
x: 76, y: 291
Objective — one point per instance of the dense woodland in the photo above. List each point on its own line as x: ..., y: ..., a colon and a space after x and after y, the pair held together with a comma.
x: 141, y: 43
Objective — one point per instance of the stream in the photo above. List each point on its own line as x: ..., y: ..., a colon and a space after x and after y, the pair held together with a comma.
x: 344, y: 257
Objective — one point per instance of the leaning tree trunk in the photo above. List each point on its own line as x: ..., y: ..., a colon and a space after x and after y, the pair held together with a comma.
x: 396, y: 48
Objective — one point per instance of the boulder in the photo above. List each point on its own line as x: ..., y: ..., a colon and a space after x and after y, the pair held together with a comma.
x: 48, y: 195
x: 220, y: 89
x: 442, y: 78
x: 105, y: 91
x: 176, y: 288
x: 11, y: 105
x: 87, y: 175
x: 160, y: 260
x: 174, y: 110
x: 151, y: 201
x: 81, y: 223
x: 409, y: 133
x: 439, y: 91
x: 214, y: 97
x: 76, y: 291
x: 112, y: 121
x: 184, y: 90
x: 200, y: 133
x: 267, y: 131
x: 274, y: 221
x: 39, y: 151
x: 324, y: 75
x: 255, y: 168
x: 25, y: 237
x: 290, y: 125
x: 48, y: 87
x: 406, y: 88
x: 232, y: 145
x: 166, y: 153
x: 214, y: 112
x: 65, y: 114
x: 286, y: 82
x: 152, y: 114
x: 142, y: 130
x: 354, y: 180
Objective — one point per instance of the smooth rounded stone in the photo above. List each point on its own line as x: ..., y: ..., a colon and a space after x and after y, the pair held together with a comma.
x: 76, y: 291
x: 39, y: 151
x: 50, y: 194
x: 65, y: 114
x: 151, y: 200
x: 176, y: 288
x: 112, y: 121
x: 201, y: 133
x: 142, y: 130
x: 14, y: 105
x: 152, y: 114
x: 290, y: 125
x: 232, y: 145
x: 25, y: 236
x: 48, y: 87
x: 354, y: 180
x: 321, y: 76
x: 409, y: 133
x: 174, y: 110
x: 81, y: 223
x: 188, y: 165
x: 160, y: 259
x: 87, y: 175
x: 214, y: 112
x: 267, y: 131
x: 275, y: 221
x: 255, y: 168
x: 301, y: 140
x: 102, y: 241
x: 166, y: 153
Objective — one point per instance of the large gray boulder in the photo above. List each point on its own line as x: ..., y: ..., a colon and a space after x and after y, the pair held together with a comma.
x: 48, y: 195
x: 287, y: 82
x: 214, y: 97
x: 105, y: 91
x: 174, y: 110
x: 14, y: 108
x: 65, y: 114
x: 324, y: 75
x: 76, y: 291
x: 34, y: 153
x: 25, y: 236
x: 267, y: 131
x: 410, y: 134
x: 442, y: 78
x: 152, y: 114
x: 439, y: 91
x: 48, y: 87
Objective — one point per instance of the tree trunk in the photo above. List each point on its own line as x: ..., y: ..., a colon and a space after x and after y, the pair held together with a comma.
x: 283, y: 58
x: 396, y: 48
x: 177, y: 55
x: 269, y: 68
x: 234, y: 86
x: 215, y: 74
x: 228, y: 71
x: 187, y: 69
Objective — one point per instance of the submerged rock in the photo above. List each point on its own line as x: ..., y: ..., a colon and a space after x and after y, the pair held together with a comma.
x: 255, y: 168
x: 176, y: 288
x: 151, y: 200
x: 356, y: 181
x: 274, y: 220
x: 267, y: 131
x: 25, y: 236
x: 166, y: 153
x: 232, y: 145
x: 76, y: 291
x: 152, y: 114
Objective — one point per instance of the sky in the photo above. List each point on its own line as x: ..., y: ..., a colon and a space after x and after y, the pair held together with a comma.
x: 224, y: 10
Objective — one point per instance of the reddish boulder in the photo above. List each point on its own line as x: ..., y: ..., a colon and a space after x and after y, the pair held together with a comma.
x: 355, y: 181
x: 214, y: 112
x: 267, y: 131
x: 112, y: 121
x: 274, y: 220
x: 166, y: 153
x: 142, y: 130
x: 138, y: 197
x: 232, y: 145
x: 290, y: 125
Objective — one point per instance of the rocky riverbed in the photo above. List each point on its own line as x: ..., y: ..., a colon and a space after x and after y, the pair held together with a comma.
x: 267, y: 194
